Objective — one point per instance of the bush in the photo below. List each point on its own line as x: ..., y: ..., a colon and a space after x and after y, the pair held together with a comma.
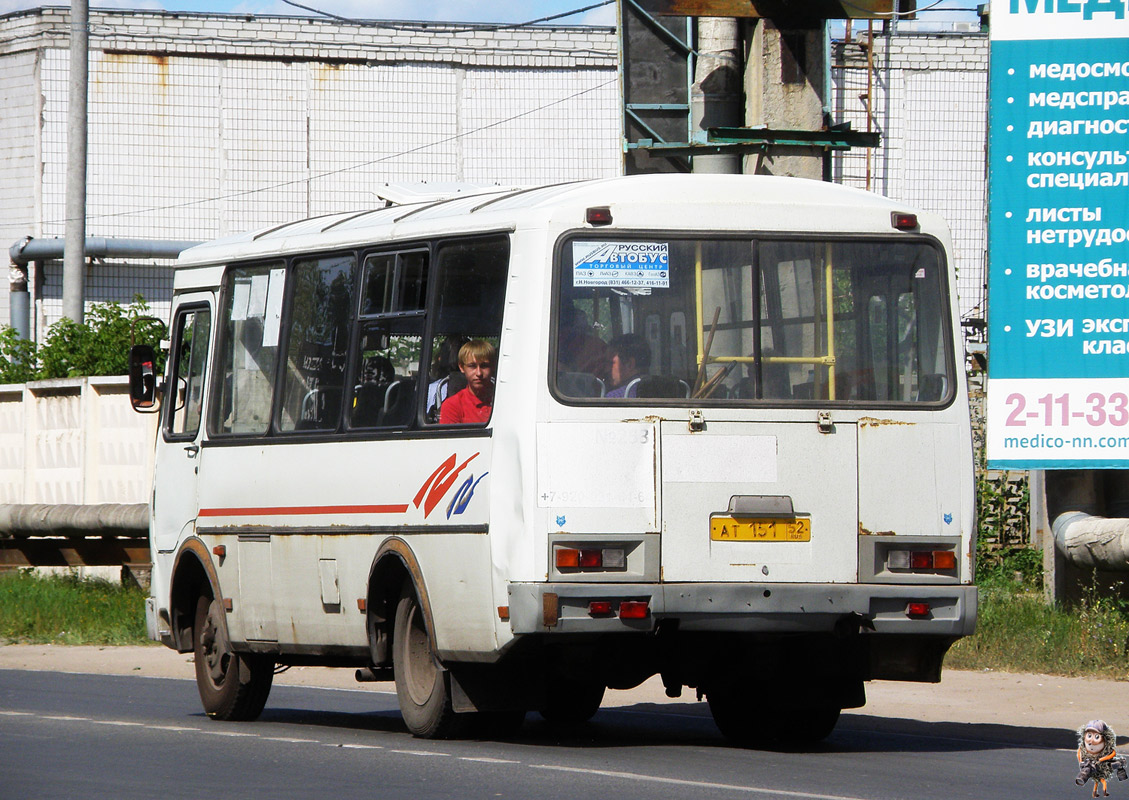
x: 17, y: 357
x: 100, y: 346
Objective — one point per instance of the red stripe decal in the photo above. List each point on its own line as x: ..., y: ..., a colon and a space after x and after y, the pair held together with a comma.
x: 281, y: 511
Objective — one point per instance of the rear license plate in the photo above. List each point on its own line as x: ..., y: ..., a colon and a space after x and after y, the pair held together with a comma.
x: 758, y: 529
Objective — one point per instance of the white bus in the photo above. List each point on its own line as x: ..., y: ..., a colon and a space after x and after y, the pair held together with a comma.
x: 728, y: 443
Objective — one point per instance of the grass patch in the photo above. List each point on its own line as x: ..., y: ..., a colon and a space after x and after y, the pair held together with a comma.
x: 66, y: 609
x: 1017, y: 631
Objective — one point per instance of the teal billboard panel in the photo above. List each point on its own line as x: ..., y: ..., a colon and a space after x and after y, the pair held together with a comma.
x: 1058, y: 277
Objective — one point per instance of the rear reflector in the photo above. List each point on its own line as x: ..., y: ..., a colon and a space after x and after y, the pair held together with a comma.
x: 600, y: 608
x: 917, y: 610
x: 633, y: 609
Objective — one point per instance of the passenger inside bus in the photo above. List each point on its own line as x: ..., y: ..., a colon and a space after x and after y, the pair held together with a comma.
x: 477, y: 363
x: 631, y: 358
x: 445, y: 376
x: 579, y: 349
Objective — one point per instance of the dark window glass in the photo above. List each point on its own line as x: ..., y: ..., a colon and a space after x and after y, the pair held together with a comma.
x: 386, y: 379
x: 469, y: 305
x: 736, y: 320
x: 191, y: 332
x: 320, y: 314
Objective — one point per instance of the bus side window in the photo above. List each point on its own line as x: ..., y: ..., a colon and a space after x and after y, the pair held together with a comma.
x: 190, y: 352
x: 318, y: 343
x: 248, y: 353
x: 385, y: 386
x: 469, y: 304
x: 386, y: 372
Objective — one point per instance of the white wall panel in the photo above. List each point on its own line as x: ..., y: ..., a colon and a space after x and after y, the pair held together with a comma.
x: 554, y: 125
x: 379, y: 124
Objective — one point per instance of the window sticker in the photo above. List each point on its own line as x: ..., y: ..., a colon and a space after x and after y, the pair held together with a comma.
x: 257, y: 303
x: 240, y: 297
x: 273, y: 321
x: 621, y: 264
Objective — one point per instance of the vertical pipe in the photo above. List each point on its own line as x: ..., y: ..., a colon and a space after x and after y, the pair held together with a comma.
x: 716, y: 99
x: 74, y: 257
x: 19, y: 302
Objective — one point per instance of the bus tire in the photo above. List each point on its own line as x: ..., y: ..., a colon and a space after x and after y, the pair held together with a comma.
x: 421, y: 684
x: 232, y: 687
x: 571, y: 702
x: 745, y: 721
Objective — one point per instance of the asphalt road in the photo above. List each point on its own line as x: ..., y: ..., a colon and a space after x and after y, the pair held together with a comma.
x: 66, y: 735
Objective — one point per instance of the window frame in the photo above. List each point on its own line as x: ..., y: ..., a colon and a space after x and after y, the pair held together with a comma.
x: 360, y: 319
x: 215, y: 391
x: 168, y: 417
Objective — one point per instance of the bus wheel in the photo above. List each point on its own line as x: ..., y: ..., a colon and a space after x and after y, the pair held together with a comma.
x: 421, y: 687
x: 742, y: 719
x: 570, y: 702
x: 232, y: 687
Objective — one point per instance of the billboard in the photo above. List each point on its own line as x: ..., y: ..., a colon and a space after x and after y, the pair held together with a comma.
x: 1058, y: 280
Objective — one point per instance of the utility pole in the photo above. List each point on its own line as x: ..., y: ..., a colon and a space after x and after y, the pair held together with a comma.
x: 74, y: 256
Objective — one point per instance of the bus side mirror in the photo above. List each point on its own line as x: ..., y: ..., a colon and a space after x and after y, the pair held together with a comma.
x: 143, y: 378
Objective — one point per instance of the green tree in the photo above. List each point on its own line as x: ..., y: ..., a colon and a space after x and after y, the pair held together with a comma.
x: 98, y: 347
x: 17, y: 357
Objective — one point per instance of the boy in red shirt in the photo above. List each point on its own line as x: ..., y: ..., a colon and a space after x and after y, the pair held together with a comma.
x: 477, y: 359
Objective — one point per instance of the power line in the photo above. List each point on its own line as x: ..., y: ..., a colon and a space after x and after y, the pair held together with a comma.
x: 465, y: 27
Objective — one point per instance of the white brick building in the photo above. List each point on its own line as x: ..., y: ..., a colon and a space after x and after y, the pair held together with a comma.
x: 202, y: 125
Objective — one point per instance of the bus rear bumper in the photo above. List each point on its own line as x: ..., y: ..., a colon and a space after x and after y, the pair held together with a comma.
x: 567, y: 608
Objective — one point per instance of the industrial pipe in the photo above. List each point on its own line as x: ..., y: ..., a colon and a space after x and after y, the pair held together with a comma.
x: 19, y: 301
x: 99, y: 519
x: 1088, y: 509
x: 28, y: 249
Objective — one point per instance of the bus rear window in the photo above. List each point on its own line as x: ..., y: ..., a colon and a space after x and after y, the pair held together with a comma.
x: 744, y: 320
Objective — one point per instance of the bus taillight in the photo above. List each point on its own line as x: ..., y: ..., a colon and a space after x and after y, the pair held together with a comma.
x: 921, y: 560
x: 634, y: 609
x: 917, y: 610
x: 600, y: 608
x: 592, y: 558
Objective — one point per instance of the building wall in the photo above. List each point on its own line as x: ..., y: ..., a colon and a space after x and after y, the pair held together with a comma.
x: 929, y: 102
x: 19, y: 104
x: 205, y: 125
